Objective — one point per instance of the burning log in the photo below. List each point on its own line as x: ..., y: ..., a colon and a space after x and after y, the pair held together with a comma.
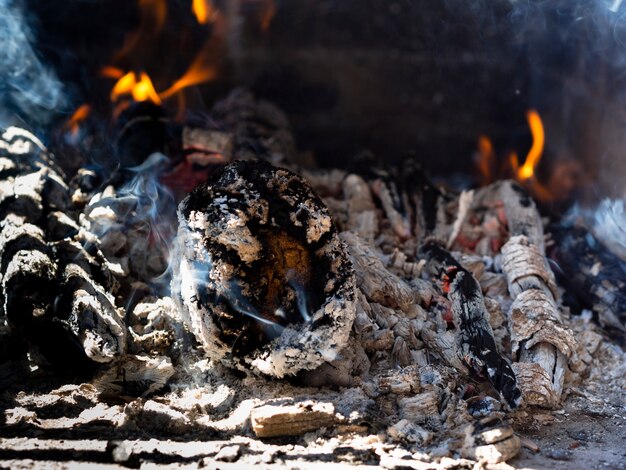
x: 543, y: 346
x: 474, y: 336
x: 56, y: 285
x: 261, y: 273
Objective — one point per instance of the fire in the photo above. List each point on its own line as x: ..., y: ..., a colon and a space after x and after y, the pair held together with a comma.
x: 200, y: 71
x: 535, y: 152
x: 138, y: 86
x: 268, y: 14
x: 486, y: 159
x: 486, y: 162
x: 203, y: 11
x: 140, y: 89
x: 81, y: 113
x: 152, y: 15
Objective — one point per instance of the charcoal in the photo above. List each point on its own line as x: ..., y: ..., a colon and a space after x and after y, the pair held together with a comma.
x: 55, y: 287
x: 474, y: 335
x: 592, y: 275
x: 261, y: 272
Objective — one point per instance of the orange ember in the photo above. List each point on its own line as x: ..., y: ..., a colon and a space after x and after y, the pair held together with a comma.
x: 81, y: 113
x: 203, y: 11
x: 535, y: 152
x: 140, y: 90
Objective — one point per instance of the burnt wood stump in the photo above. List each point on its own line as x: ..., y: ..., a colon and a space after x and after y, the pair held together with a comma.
x: 260, y: 272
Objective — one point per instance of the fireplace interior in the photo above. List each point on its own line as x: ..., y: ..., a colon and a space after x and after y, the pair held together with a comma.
x: 269, y: 232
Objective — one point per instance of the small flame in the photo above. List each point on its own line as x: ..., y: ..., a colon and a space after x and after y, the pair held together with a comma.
x: 204, y: 68
x: 486, y: 159
x: 535, y: 152
x: 203, y: 10
x: 81, y: 113
x: 152, y: 15
x: 140, y: 89
x: 268, y: 15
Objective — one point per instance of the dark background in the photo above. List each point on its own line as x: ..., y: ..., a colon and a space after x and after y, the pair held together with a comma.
x: 425, y: 77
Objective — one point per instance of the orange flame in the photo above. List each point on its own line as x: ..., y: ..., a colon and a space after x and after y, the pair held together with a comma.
x: 73, y: 123
x: 140, y: 90
x: 534, y: 154
x: 268, y: 15
x: 203, y: 11
x: 486, y: 159
x: 152, y: 14
x: 204, y: 68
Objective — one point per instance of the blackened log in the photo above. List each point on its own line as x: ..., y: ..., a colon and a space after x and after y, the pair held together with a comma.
x: 261, y: 273
x: 474, y: 335
x: 69, y: 320
x: 593, y: 276
x: 259, y: 129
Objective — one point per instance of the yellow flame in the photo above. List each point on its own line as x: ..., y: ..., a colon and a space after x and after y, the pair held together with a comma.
x: 535, y: 152
x: 203, y: 10
x: 140, y: 89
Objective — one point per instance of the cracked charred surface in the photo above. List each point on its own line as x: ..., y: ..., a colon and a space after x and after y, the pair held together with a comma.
x: 475, y: 337
x: 260, y: 271
x: 56, y: 286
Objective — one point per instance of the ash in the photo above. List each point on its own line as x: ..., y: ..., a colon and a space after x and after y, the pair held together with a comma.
x: 361, y: 317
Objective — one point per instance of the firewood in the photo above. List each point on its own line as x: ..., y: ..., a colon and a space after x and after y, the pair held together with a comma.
x: 491, y: 441
x: 261, y: 272
x: 591, y: 273
x: 292, y: 420
x: 258, y: 128
x: 377, y: 283
x: 55, y: 283
x: 474, y: 336
x: 361, y: 210
x: 538, y: 336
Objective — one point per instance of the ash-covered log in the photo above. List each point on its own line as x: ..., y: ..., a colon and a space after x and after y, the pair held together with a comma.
x: 542, y: 345
x: 55, y: 284
x: 474, y: 336
x: 260, y: 271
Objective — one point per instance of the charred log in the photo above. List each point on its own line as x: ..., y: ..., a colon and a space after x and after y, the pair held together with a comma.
x: 474, y: 336
x: 592, y: 275
x: 261, y: 272
x: 55, y: 282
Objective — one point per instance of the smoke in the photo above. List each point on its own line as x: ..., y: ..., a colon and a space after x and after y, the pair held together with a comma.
x: 608, y: 222
x: 30, y: 92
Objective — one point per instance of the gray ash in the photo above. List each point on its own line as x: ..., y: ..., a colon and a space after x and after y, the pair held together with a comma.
x: 260, y: 271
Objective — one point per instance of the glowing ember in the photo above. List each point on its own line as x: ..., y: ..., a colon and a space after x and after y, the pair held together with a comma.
x: 140, y: 89
x: 203, y: 11
x: 535, y: 152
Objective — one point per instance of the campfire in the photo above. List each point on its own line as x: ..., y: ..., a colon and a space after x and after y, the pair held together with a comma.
x: 182, y: 283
